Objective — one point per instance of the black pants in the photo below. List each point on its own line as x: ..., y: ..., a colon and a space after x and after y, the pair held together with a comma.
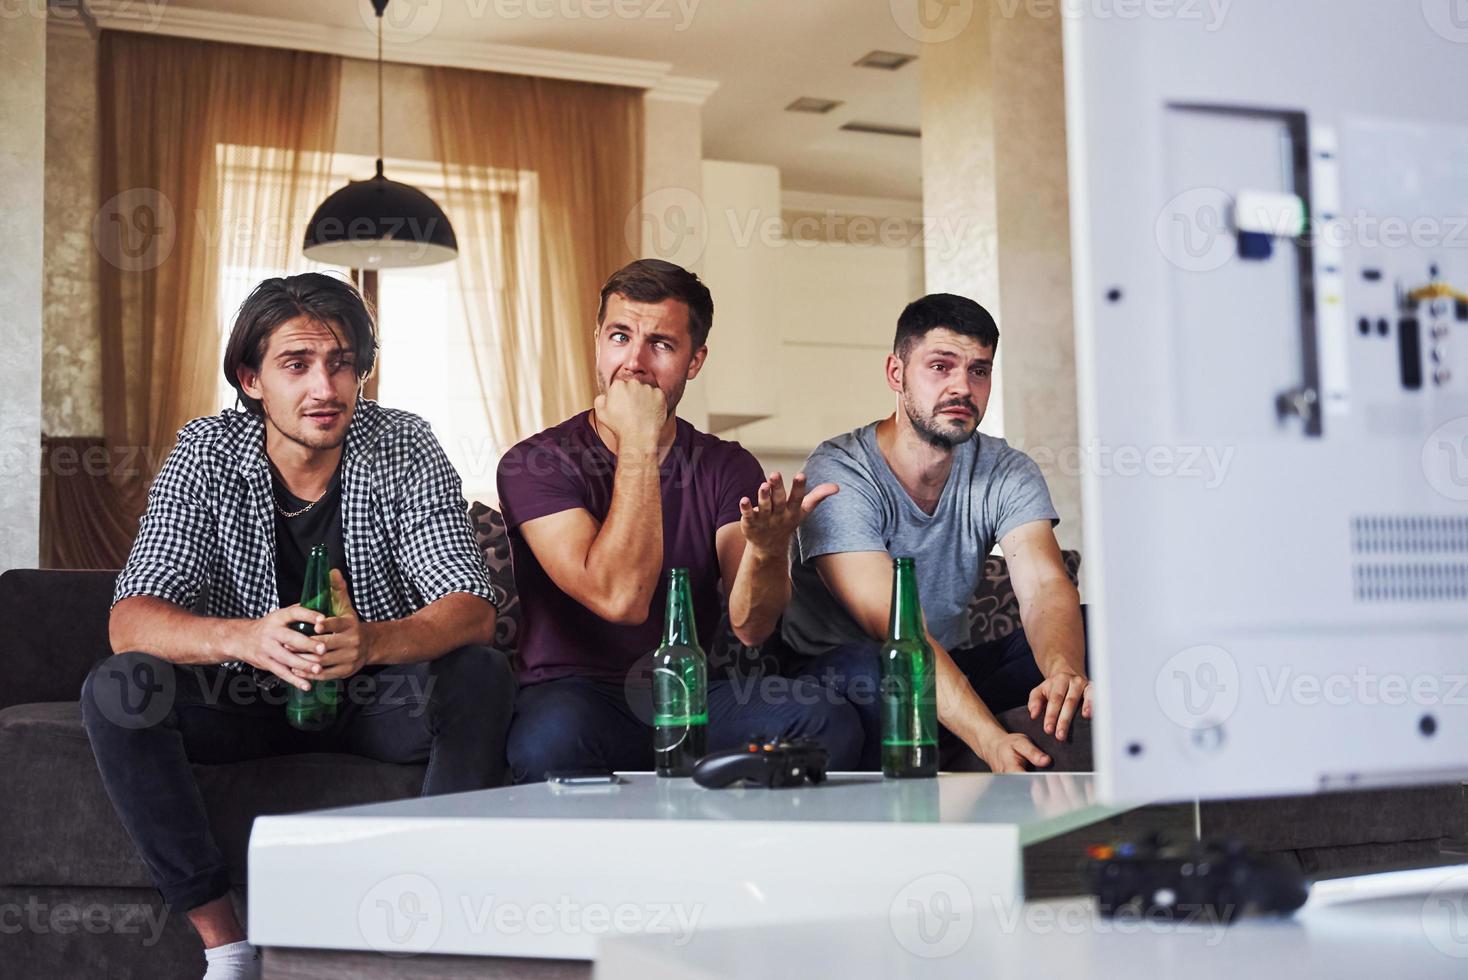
x: 148, y: 720
x: 1003, y: 672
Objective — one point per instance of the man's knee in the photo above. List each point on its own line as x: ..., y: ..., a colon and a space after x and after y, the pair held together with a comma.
x: 531, y: 758
x: 477, y: 675
x: 793, y: 708
x: 128, y: 691
x: 549, y: 734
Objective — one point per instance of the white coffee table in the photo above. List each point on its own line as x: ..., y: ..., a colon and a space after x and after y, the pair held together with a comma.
x: 536, y: 871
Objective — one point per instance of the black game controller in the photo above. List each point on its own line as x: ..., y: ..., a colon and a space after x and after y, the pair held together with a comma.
x: 770, y: 763
x: 1219, y: 881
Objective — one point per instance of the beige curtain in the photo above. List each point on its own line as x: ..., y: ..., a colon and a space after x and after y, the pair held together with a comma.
x: 541, y: 176
x: 174, y: 115
x: 167, y: 105
x: 82, y: 525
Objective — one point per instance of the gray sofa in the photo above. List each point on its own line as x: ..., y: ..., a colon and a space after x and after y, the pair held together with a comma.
x: 83, y: 901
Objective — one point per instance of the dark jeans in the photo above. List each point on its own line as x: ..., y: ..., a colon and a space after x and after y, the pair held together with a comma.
x: 1003, y: 672
x: 149, y: 719
x: 581, y: 723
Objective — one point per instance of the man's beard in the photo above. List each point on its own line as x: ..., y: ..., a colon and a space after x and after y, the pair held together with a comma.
x: 303, y: 436
x: 934, y: 430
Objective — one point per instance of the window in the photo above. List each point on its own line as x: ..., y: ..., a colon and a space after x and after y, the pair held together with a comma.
x: 426, y: 362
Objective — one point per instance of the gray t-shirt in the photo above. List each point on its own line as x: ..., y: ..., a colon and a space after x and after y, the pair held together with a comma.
x: 992, y: 489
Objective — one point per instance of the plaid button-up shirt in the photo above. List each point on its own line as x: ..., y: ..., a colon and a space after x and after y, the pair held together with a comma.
x: 207, y: 540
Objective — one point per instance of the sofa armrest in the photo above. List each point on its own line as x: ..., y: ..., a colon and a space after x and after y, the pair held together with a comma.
x: 56, y: 629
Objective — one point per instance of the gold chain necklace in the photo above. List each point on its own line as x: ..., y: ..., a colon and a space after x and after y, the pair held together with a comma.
x: 295, y: 513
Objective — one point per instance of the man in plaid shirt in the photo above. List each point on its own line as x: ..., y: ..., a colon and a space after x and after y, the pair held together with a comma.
x: 201, y: 616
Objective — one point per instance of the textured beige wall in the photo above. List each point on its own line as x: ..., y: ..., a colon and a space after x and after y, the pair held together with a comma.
x: 22, y: 172
x: 994, y: 173
x: 1034, y: 254
x: 71, y: 365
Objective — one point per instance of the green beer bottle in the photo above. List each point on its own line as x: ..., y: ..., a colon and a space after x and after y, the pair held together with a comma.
x: 909, y: 684
x: 314, y: 710
x: 680, y: 716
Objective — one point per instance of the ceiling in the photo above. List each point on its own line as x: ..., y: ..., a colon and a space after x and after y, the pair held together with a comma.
x: 763, y: 53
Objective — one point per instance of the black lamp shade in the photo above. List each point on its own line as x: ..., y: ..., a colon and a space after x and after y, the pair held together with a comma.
x: 380, y: 224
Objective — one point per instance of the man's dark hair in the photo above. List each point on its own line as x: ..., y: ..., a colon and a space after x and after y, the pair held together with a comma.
x: 332, y: 302
x: 958, y: 313
x: 652, y: 281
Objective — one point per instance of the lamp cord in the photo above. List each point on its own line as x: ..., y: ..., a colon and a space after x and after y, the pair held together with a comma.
x: 379, y: 88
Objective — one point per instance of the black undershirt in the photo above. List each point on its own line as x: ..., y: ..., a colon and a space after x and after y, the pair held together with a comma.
x: 295, y: 536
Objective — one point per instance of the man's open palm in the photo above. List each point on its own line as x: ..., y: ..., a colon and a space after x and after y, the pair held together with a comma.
x: 770, y: 520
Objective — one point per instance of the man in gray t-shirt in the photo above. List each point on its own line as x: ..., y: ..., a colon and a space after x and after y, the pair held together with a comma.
x: 991, y: 490
x: 925, y: 483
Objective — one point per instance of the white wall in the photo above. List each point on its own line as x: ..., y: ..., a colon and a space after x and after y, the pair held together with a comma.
x: 740, y: 265
x: 810, y: 296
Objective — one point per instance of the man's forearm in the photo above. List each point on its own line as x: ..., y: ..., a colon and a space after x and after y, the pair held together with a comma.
x: 760, y: 594
x: 449, y: 622
x: 147, y: 624
x: 960, y: 709
x: 627, y: 556
x: 1053, y: 627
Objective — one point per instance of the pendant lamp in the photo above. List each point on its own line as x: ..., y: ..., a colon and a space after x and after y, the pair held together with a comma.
x: 380, y: 223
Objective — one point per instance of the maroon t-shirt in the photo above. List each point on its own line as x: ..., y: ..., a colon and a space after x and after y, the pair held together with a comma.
x: 568, y: 466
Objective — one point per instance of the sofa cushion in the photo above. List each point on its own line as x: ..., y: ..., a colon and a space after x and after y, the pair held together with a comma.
x: 57, y: 826
x: 494, y: 541
x: 994, y: 612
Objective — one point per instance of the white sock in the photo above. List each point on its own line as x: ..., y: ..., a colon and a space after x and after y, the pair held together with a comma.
x: 233, y: 961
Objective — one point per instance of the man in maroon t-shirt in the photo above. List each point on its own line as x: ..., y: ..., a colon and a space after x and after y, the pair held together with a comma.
x: 600, y: 507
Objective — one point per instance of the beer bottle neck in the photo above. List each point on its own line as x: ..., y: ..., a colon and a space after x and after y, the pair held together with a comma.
x: 678, y: 625
x: 906, y: 622
x: 316, y: 588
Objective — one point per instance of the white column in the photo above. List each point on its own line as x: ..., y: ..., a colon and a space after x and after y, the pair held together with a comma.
x: 960, y: 213
x: 995, y: 188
